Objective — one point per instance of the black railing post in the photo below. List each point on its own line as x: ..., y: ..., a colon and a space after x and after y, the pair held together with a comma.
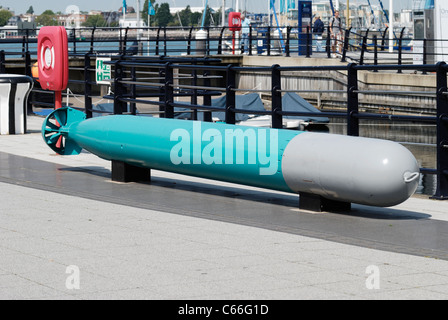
x: 207, y: 96
x: 352, y: 100
x: 157, y: 40
x: 164, y: 42
x: 169, y: 90
x: 133, y: 105
x: 28, y: 64
x: 88, y: 87
x: 74, y: 40
x: 400, y: 50
x: 2, y: 61
x: 288, y: 39
x: 268, y: 40
x: 328, y: 44
x: 250, y: 40
x: 363, y: 49
x: 383, y: 41
x: 425, y: 53
x: 276, y: 97
x: 309, y: 42
x: 92, y: 40
x: 220, y: 40
x: 125, y: 44
x: 207, y: 43
x: 189, y: 41
x: 375, y: 52
x: 230, y: 94
x: 194, y: 92
x: 442, y: 133
x: 346, y: 42
x: 119, y: 89
x: 121, y: 42
x: 29, y: 73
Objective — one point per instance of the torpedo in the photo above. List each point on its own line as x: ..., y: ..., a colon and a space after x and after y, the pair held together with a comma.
x: 339, y: 168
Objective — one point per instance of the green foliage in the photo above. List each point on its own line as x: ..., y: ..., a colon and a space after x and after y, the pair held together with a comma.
x: 47, y: 18
x: 95, y: 21
x: 5, y: 15
x: 163, y: 15
x: 30, y: 10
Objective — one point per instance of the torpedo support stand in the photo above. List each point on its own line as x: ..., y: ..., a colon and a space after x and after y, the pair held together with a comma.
x: 316, y: 203
x: 123, y: 172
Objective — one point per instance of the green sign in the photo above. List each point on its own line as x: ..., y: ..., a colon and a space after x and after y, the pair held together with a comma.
x: 103, y: 71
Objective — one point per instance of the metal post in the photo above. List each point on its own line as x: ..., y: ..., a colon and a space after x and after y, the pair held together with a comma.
x: 383, y: 41
x: 74, y: 40
x: 268, y: 40
x: 88, y: 87
x: 29, y: 73
x: 288, y: 39
x: 309, y: 43
x: 92, y: 39
x: 328, y: 44
x: 207, y: 96
x: 119, y: 89
x: 425, y: 53
x: 169, y: 91
x: 194, y: 92
x: 2, y: 61
x: 363, y: 50
x: 189, y: 41
x: 442, y: 133
x: 230, y: 94
x: 346, y: 41
x: 352, y: 101
x: 133, y: 105
x: 164, y: 42
x: 276, y: 96
x: 157, y: 40
x: 220, y: 40
x: 375, y: 52
x: 400, y: 49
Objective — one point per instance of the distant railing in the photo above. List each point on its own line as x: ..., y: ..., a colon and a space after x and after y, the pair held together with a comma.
x: 362, y: 47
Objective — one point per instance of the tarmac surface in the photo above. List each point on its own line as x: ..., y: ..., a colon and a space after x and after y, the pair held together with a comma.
x: 68, y: 232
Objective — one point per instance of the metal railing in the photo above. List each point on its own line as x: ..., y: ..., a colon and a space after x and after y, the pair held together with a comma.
x: 362, y: 47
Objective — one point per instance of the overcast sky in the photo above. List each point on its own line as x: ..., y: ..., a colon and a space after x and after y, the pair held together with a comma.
x: 21, y: 6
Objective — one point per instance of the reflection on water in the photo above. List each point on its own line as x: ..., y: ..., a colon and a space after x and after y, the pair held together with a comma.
x: 418, y: 138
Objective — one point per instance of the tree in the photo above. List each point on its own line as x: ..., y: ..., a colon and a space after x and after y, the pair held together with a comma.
x: 163, y: 15
x: 195, y: 18
x: 185, y: 16
x: 47, y: 18
x: 5, y: 15
x: 30, y: 10
x: 95, y: 21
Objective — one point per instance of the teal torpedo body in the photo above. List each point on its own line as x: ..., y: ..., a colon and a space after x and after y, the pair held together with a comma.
x: 351, y: 169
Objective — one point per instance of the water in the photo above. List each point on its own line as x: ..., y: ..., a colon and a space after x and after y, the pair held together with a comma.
x: 419, y: 138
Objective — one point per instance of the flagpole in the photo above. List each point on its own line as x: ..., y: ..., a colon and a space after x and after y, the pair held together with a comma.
x: 391, y: 26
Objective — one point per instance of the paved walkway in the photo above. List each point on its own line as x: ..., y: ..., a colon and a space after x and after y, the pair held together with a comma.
x: 58, y: 241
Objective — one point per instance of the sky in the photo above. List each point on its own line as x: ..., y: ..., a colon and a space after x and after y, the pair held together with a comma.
x: 21, y: 6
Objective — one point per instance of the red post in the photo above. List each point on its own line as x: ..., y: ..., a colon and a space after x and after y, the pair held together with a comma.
x: 57, y: 99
